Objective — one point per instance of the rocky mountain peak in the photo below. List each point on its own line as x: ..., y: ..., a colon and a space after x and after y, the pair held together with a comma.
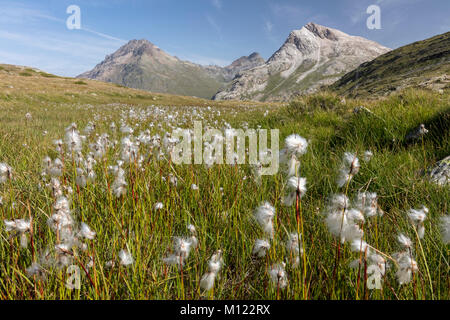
x: 321, y: 31
x: 311, y: 57
x: 252, y: 60
x: 137, y: 48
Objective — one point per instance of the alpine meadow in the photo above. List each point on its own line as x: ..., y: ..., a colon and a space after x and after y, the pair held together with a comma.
x: 95, y: 206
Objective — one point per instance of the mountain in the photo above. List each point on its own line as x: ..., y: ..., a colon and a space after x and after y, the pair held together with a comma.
x: 142, y: 65
x: 310, y: 58
x: 242, y: 64
x: 420, y: 64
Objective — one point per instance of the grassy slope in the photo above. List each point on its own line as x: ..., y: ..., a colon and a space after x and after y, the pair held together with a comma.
x: 409, y: 65
x: 223, y: 220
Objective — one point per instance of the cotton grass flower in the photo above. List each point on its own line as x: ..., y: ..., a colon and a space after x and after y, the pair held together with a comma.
x: 293, y: 246
x: 182, y: 247
x: 359, y: 245
x: 342, y: 222
x: 367, y: 155
x: 125, y: 257
x: 214, y: 266
x: 36, y: 270
x: 296, y: 145
x: 5, y: 172
x: 417, y: 218
x: 264, y: 216
x: 19, y: 227
x: 158, y: 206
x: 349, y: 168
x: 73, y: 139
x: 260, y: 248
x: 404, y: 241
x: 193, y: 239
x: 119, y: 186
x: 194, y: 186
x: 86, y: 232
x: 278, y: 275
x: 366, y: 202
x: 406, y: 266
x: 295, y: 185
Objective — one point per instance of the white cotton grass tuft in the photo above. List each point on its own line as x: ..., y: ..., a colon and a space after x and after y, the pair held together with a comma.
x: 417, y: 218
x: 86, y: 232
x: 367, y: 203
x: 119, y: 186
x: 349, y: 168
x: 367, y: 156
x: 294, y: 185
x: 182, y: 248
x: 5, y: 172
x: 278, y: 275
x: 406, y: 266
x: 296, y: 145
x: 342, y: 222
x: 158, y: 206
x: 193, y: 239
x: 19, y: 227
x: 73, y: 139
x: 214, y: 266
x: 125, y: 257
x: 359, y: 245
x: 36, y: 270
x: 294, y: 248
x: 264, y: 216
x: 404, y: 241
x: 260, y: 248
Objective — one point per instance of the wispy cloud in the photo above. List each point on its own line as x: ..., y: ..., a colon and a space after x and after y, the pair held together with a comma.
x: 268, y: 26
x: 217, y: 4
x: 103, y: 35
x: 28, y: 29
x: 17, y: 14
x: 293, y: 14
x: 214, y: 24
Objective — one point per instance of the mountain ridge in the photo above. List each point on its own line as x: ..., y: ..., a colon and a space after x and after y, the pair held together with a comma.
x: 311, y: 57
x: 141, y: 64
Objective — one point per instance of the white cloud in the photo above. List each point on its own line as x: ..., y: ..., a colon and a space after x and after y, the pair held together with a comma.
x: 268, y: 26
x: 214, y: 24
x: 217, y: 4
x: 18, y: 14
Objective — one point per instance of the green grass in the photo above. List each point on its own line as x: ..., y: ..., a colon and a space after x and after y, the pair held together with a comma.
x: 223, y: 217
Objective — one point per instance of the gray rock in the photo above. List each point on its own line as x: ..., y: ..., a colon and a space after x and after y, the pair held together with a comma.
x: 440, y: 173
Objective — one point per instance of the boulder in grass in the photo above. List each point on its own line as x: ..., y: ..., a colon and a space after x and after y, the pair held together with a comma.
x: 440, y: 173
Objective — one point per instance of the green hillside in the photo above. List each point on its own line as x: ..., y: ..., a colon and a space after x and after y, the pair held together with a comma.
x: 424, y: 64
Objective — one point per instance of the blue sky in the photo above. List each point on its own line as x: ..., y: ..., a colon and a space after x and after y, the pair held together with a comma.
x: 34, y: 33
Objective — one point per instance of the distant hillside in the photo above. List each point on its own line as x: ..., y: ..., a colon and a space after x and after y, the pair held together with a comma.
x: 424, y: 64
x: 22, y: 85
x: 142, y: 65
